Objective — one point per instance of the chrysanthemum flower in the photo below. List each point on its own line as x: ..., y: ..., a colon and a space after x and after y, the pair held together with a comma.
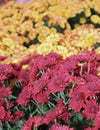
x: 90, y: 109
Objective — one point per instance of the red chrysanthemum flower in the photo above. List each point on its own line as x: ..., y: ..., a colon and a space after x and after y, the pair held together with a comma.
x: 50, y: 116
x: 91, y: 86
x: 69, y: 64
x: 60, y: 127
x: 90, y: 109
x: 23, y: 76
x: 46, y: 61
x: 58, y: 82
x: 5, y: 71
x: 84, y: 89
x: 89, y: 77
x: 87, y: 56
x: 17, y: 115
x: 4, y: 92
x: 2, y: 113
x: 8, y: 116
x: 94, y: 87
x: 41, y: 97
x: 77, y: 100
x: 33, y: 73
x: 97, y: 120
x: 89, y: 128
x: 62, y: 109
x: 32, y: 122
x: 56, y: 113
x: 53, y: 58
x: 40, y: 84
x: 40, y: 62
x: 24, y: 96
x: 7, y: 103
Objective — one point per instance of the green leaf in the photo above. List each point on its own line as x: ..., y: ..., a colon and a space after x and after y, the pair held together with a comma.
x: 79, y: 116
x: 75, y: 120
x: 18, y: 84
x: 1, y: 128
x: 11, y: 97
x: 6, y: 83
x: 91, y: 122
x: 35, y: 128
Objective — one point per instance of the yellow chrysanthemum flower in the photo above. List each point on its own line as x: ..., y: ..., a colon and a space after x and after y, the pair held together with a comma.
x: 82, y: 20
x: 76, y: 26
x: 7, y: 41
x: 52, y: 31
x: 53, y: 38
x: 44, y: 48
x: 41, y: 37
x: 95, y: 19
x: 61, y: 50
x: 87, y: 12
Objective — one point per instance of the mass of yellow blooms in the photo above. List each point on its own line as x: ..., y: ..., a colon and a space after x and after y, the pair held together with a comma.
x: 38, y: 23
x: 67, y: 44
x: 72, y: 42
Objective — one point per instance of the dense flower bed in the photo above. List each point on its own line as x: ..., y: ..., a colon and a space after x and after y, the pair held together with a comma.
x: 48, y: 23
x: 71, y: 42
x: 51, y: 92
x: 49, y: 65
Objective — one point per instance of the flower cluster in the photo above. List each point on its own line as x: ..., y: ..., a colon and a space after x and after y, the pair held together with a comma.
x: 71, y: 42
x: 56, y: 93
x: 6, y: 106
x: 41, y: 22
x: 49, y: 65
